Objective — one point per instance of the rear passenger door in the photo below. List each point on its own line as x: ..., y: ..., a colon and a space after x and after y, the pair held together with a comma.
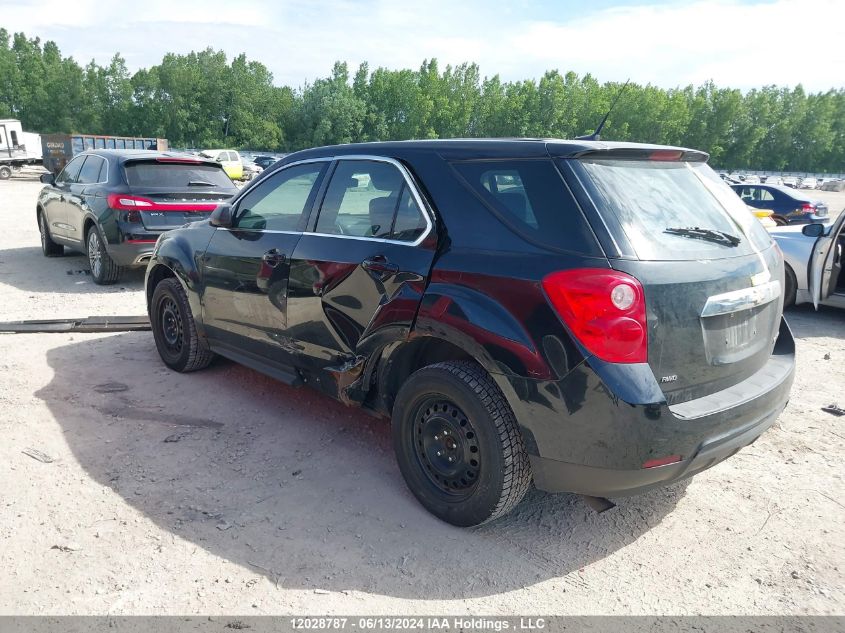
x: 358, y: 275
x: 245, y: 267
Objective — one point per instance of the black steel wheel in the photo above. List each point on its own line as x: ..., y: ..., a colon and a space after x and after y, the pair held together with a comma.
x: 174, y: 329
x: 458, y: 444
x: 446, y: 445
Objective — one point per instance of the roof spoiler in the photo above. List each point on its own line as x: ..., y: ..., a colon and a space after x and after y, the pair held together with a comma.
x: 662, y: 154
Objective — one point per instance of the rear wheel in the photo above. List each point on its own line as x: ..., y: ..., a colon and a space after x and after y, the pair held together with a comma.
x: 780, y: 221
x: 5, y: 172
x: 791, y: 288
x: 48, y: 246
x: 104, y: 270
x: 458, y: 444
x: 174, y: 329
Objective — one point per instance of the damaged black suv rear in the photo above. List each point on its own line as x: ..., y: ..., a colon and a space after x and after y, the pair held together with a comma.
x: 598, y: 318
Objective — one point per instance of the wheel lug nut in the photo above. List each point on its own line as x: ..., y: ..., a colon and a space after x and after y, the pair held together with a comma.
x: 450, y: 459
x: 439, y: 453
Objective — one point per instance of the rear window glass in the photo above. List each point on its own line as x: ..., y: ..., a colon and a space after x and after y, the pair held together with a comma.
x: 530, y: 197
x: 673, y: 210
x: 150, y: 174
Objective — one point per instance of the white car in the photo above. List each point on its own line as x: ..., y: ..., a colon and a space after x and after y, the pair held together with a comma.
x: 790, y: 181
x: 814, y: 262
x: 774, y: 180
x: 808, y: 183
x: 751, y: 179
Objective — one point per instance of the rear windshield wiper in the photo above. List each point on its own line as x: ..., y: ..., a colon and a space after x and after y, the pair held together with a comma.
x: 200, y: 183
x: 710, y: 235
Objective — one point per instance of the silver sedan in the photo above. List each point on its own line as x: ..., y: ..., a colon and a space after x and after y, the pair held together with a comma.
x: 814, y: 262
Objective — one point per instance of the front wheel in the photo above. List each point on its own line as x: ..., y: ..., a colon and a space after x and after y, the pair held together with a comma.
x: 174, y: 329
x: 458, y: 444
x: 104, y: 270
x: 48, y: 246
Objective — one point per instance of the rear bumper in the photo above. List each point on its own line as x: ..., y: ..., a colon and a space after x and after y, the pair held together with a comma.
x: 555, y: 476
x: 597, y: 441
x: 132, y: 252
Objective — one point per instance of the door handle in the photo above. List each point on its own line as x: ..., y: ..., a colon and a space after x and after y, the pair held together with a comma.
x: 380, y: 266
x: 273, y: 257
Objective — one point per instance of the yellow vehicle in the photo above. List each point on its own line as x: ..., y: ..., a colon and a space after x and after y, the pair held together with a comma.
x: 230, y: 160
x: 765, y: 217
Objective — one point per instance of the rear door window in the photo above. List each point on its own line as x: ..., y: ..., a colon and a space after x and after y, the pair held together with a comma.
x: 672, y: 210
x: 368, y: 198
x: 531, y: 197
x: 90, y: 172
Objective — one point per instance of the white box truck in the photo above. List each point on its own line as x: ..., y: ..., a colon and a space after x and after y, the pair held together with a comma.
x: 17, y: 148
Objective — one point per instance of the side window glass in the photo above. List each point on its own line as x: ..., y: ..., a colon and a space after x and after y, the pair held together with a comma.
x: 279, y: 203
x: 90, y: 171
x: 361, y: 199
x: 507, y: 187
x: 766, y: 195
x: 71, y: 171
x: 410, y: 221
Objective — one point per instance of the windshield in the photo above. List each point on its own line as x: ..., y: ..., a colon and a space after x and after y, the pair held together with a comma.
x: 176, y: 175
x: 673, y: 210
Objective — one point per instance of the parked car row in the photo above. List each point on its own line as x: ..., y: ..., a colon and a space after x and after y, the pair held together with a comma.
x: 788, y: 206
x: 794, y: 182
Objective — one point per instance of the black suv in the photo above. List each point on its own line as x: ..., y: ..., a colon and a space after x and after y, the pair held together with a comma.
x: 113, y: 204
x: 600, y: 318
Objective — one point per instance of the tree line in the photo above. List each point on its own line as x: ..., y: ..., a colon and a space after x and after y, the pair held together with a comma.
x: 204, y: 100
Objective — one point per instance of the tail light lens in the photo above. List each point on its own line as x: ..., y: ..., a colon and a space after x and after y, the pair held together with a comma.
x: 808, y: 208
x: 604, y: 309
x: 126, y: 202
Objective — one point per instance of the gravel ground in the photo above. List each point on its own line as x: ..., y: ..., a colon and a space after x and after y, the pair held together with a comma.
x: 225, y: 492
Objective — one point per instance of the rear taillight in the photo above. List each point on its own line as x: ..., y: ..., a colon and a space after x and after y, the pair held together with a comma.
x: 126, y: 202
x: 807, y: 208
x: 604, y: 309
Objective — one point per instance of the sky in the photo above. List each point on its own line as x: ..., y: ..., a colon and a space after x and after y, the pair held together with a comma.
x: 736, y: 43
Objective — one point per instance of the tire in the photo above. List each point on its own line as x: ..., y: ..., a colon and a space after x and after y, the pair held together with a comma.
x: 458, y: 444
x: 174, y: 329
x: 104, y: 271
x: 780, y: 221
x: 48, y: 246
x: 791, y: 288
x: 5, y: 172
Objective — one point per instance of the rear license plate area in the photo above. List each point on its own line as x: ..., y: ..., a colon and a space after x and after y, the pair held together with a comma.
x: 734, y: 336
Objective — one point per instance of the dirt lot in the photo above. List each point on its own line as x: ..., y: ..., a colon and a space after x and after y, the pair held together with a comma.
x: 227, y: 492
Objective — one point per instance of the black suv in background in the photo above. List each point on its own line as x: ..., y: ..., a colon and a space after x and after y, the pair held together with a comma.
x: 600, y: 318
x: 113, y: 204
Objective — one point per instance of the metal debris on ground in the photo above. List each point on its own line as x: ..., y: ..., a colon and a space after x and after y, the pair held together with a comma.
x: 833, y: 409
x: 34, y: 453
x: 87, y: 324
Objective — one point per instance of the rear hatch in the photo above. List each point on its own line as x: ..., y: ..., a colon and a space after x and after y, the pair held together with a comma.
x: 711, y: 276
x: 168, y: 192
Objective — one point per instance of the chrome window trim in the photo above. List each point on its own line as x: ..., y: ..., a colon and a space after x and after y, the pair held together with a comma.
x: 742, y: 299
x: 412, y: 187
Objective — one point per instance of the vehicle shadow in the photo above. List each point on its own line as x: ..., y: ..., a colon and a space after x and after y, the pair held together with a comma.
x: 27, y: 269
x: 298, y: 487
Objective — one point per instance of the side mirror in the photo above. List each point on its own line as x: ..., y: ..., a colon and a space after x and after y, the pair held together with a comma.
x: 48, y: 178
x: 813, y: 230
x: 221, y: 216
